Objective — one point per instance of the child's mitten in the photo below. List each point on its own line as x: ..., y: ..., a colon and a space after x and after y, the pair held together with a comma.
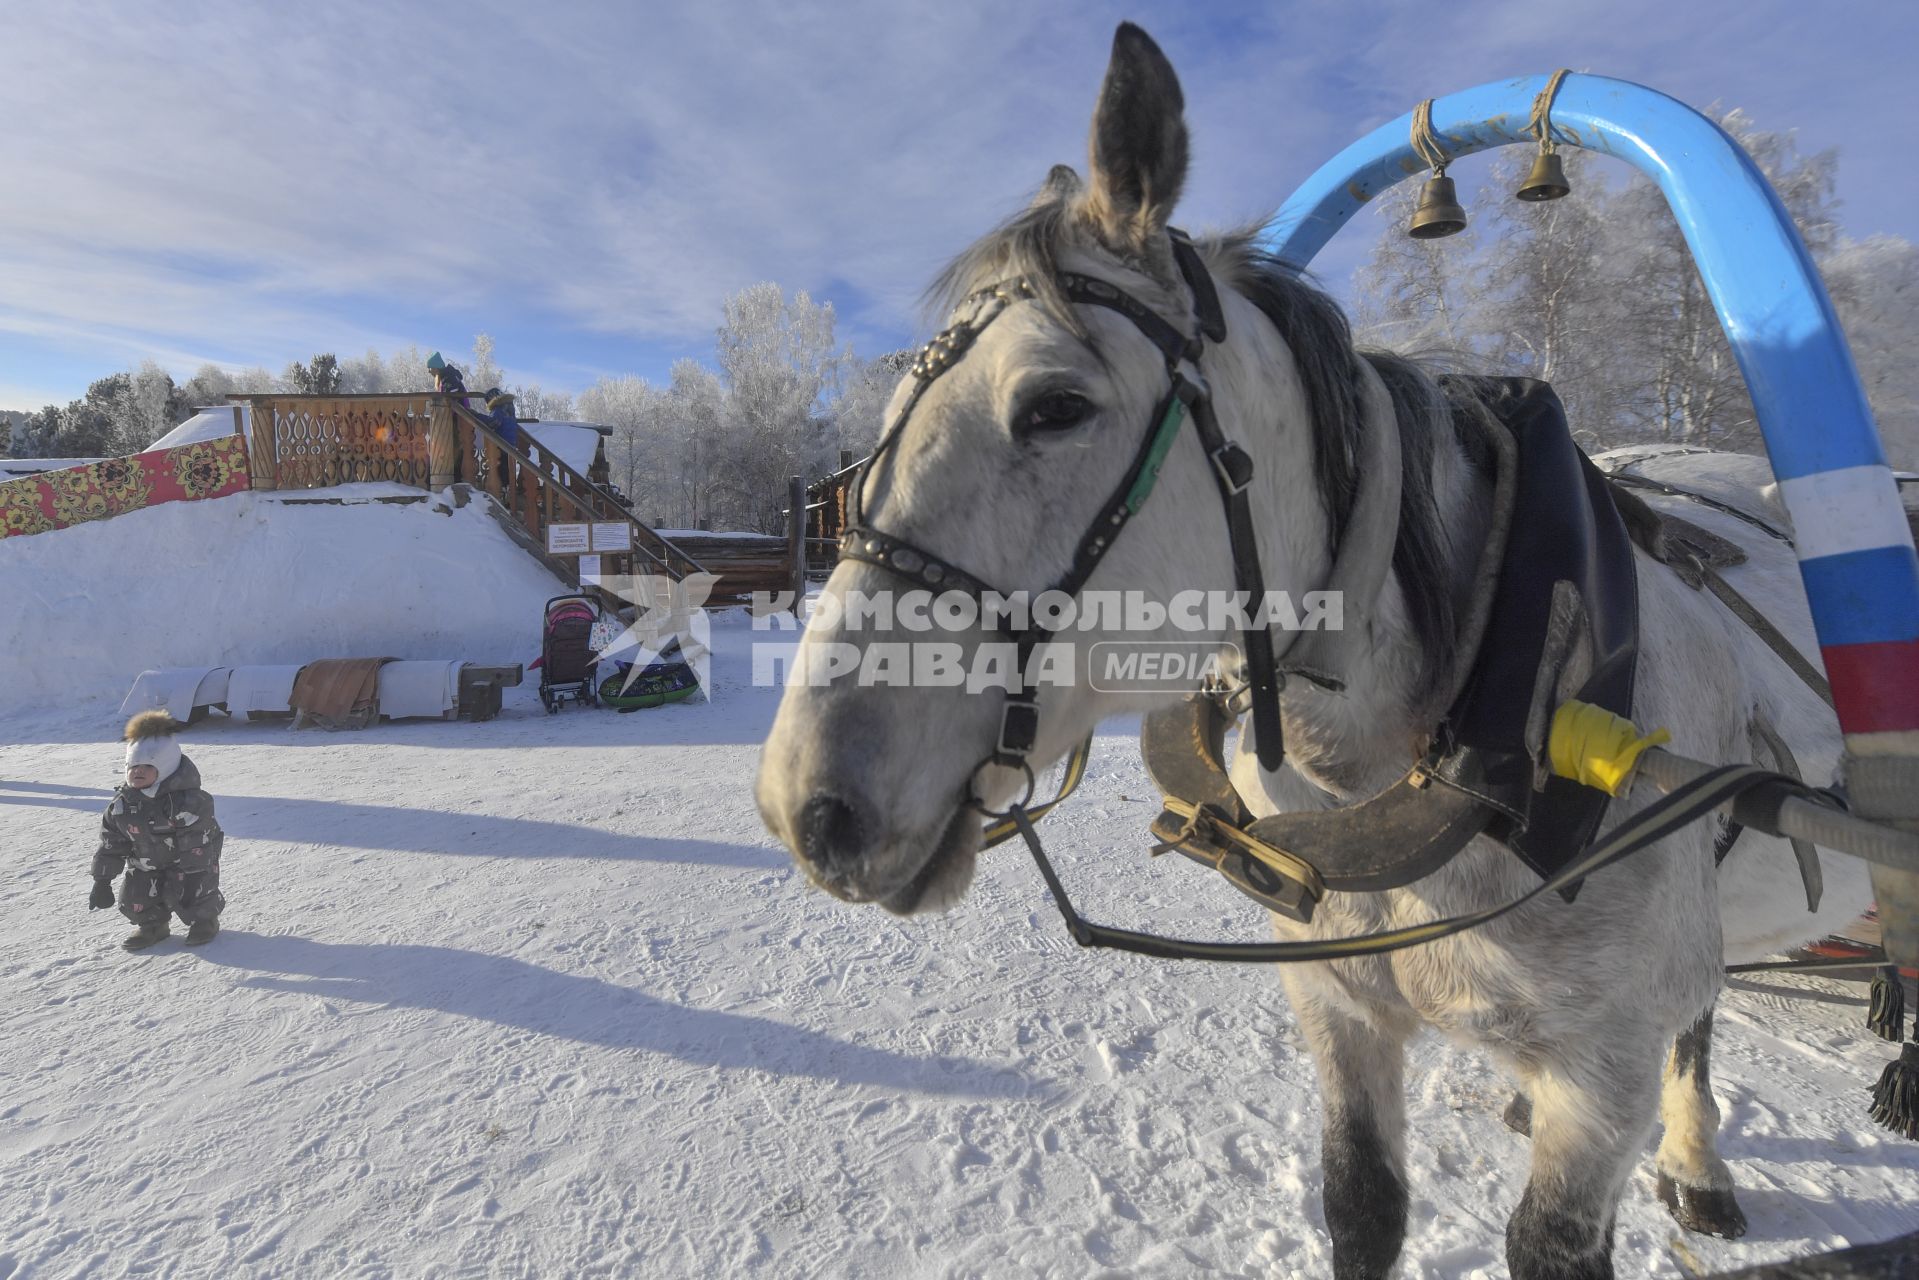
x: 102, y: 895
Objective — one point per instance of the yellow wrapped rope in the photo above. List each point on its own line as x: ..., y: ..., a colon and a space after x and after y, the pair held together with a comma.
x: 1596, y: 748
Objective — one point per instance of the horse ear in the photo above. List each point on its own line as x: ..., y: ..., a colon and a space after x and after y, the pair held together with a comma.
x: 1061, y: 184
x: 1138, y: 145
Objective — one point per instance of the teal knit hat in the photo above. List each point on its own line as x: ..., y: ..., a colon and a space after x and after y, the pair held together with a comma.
x: 436, y: 361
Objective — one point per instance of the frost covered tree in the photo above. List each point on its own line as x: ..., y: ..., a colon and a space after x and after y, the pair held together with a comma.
x: 530, y: 401
x: 483, y: 374
x: 1598, y: 293
x: 1875, y: 288
x: 153, y: 407
x: 702, y: 492
x: 858, y: 412
x: 632, y: 408
x: 406, y: 370
x: 1410, y: 290
x: 779, y: 364
x: 210, y: 385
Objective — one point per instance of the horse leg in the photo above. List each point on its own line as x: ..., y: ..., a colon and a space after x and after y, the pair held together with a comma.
x: 1363, y: 1143
x: 1591, y: 1115
x: 1694, y: 1182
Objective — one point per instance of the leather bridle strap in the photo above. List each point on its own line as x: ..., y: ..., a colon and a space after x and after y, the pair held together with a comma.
x: 1232, y: 468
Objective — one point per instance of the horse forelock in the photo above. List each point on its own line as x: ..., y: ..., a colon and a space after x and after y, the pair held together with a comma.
x: 1033, y: 245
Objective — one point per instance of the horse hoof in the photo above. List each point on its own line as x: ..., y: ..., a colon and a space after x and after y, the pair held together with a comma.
x: 1707, y: 1211
x: 1519, y: 1115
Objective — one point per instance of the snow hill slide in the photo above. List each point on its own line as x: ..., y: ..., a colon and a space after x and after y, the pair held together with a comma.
x: 258, y: 578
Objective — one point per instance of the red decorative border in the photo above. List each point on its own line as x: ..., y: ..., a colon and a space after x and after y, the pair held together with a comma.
x: 75, y: 495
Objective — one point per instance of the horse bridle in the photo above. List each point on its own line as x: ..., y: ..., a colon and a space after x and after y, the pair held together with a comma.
x: 1232, y: 469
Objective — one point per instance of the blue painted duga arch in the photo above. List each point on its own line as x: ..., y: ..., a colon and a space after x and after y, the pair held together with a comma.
x: 1855, y: 549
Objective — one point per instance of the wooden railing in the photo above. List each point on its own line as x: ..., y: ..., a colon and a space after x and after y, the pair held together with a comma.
x: 431, y: 441
x: 826, y: 506
x: 537, y: 489
x: 315, y: 442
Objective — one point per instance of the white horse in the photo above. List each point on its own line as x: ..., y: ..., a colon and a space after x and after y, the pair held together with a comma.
x: 998, y: 470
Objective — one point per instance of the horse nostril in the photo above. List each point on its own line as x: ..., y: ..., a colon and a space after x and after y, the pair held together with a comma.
x: 830, y: 833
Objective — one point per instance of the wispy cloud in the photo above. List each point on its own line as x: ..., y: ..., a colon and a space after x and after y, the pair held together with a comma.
x: 247, y: 183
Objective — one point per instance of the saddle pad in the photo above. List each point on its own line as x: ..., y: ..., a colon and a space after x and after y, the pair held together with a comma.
x: 1567, y: 576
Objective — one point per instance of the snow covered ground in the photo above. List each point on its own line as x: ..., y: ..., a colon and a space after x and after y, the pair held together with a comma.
x: 537, y: 997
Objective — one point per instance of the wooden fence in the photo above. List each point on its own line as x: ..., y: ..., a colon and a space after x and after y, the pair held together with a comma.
x: 315, y: 442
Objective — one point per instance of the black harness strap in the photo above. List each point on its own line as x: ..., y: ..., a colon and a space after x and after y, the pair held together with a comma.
x: 1653, y: 823
x: 1185, y: 397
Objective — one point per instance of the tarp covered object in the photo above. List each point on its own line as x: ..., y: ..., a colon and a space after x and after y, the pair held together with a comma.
x: 176, y: 690
x: 419, y: 688
x: 339, y: 692
x: 261, y: 689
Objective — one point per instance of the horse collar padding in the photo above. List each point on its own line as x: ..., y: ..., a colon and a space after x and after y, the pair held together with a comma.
x: 1392, y: 839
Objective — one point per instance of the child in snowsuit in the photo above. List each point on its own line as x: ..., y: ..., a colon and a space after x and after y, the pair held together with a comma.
x: 447, y: 379
x: 159, y: 827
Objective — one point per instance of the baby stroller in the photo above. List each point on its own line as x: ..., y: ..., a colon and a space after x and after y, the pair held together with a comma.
x: 567, y: 662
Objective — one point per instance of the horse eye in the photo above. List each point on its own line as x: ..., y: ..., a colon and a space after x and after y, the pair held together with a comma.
x: 1055, y: 411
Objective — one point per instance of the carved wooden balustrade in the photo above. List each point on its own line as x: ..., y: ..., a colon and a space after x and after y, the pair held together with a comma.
x: 537, y: 489
x: 314, y: 442
x: 431, y: 441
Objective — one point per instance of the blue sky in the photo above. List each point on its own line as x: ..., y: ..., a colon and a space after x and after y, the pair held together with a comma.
x: 251, y: 183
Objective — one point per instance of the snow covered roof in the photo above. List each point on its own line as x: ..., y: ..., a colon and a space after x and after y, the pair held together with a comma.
x: 573, y: 443
x: 209, y: 423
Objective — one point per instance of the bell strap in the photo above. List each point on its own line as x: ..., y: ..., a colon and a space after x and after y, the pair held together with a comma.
x: 1762, y: 627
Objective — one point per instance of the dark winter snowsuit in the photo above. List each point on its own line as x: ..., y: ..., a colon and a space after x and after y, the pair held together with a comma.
x: 170, y: 845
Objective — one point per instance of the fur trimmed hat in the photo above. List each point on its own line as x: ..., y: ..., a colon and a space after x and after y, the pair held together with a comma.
x: 150, y: 741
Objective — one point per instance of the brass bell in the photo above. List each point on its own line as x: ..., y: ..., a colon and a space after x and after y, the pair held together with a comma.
x: 1547, y: 181
x: 1438, y: 213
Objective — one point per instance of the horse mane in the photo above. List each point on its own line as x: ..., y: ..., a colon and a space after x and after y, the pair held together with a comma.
x: 1025, y: 245
x: 1317, y: 333
x: 1320, y: 339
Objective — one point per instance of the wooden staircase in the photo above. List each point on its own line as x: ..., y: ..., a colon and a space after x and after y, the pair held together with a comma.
x: 537, y: 489
x: 435, y: 443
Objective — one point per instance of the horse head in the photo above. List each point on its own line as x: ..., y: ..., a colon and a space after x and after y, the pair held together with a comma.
x: 1012, y: 446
